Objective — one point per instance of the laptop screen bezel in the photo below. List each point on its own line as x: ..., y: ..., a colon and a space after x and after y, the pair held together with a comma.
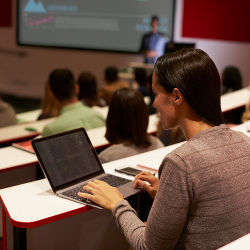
x: 58, y: 187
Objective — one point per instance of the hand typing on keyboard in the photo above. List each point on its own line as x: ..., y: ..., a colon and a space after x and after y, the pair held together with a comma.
x: 102, y: 193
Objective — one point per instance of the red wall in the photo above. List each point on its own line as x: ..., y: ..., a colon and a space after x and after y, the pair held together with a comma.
x: 217, y: 19
x: 5, y: 13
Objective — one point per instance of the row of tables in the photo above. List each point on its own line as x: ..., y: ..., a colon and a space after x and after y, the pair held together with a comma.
x: 30, y: 208
x: 22, y: 131
x: 18, y: 166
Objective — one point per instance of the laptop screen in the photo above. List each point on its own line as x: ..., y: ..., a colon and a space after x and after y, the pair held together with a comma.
x: 67, y: 157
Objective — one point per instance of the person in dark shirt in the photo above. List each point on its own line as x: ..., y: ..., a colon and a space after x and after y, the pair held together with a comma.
x: 231, y: 79
x: 153, y: 43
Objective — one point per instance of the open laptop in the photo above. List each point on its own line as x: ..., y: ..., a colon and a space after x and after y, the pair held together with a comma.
x: 69, y: 161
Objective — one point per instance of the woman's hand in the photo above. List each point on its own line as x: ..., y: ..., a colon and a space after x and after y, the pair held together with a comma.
x: 141, y: 181
x: 102, y: 193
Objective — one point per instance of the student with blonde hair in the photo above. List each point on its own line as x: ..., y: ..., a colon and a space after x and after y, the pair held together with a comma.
x: 246, y: 114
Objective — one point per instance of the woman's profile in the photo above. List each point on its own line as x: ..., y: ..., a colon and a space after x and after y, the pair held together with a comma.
x: 202, y: 196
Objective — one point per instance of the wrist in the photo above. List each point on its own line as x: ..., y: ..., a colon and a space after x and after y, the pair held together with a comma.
x: 114, y: 204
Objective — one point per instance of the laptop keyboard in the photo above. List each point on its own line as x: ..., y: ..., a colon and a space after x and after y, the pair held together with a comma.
x: 112, y: 180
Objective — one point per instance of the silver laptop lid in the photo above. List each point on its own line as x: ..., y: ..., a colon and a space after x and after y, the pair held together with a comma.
x: 67, y: 158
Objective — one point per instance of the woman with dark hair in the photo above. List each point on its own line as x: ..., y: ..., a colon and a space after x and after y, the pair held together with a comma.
x: 113, y: 83
x: 231, y: 79
x: 127, y: 124
x: 88, y: 90
x: 202, y: 199
x: 141, y: 80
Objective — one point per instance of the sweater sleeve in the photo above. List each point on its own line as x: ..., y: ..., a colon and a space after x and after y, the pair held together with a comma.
x: 168, y: 214
x: 129, y: 223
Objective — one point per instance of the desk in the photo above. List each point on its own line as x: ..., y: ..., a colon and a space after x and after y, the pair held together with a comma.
x: 141, y: 65
x: 33, y: 206
x: 50, y: 222
x: 24, y: 163
x: 31, y: 116
x: 235, y: 99
x: 28, y: 116
x: 229, y: 102
x: 244, y: 128
x: 19, y: 132
x: 102, y: 110
x: 13, y: 158
x: 242, y: 243
x: 233, y: 105
x: 16, y: 167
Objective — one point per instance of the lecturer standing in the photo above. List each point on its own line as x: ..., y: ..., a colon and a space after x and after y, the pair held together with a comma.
x: 153, y: 43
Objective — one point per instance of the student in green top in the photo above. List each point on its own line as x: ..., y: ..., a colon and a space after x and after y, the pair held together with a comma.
x: 73, y: 113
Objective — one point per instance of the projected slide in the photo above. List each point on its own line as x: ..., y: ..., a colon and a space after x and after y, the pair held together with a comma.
x: 34, y: 7
x: 115, y: 25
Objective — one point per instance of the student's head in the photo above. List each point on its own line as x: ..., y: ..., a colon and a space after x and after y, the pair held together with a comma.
x: 127, y: 119
x: 140, y: 76
x: 149, y: 87
x: 192, y: 75
x: 154, y: 22
x: 231, y: 79
x: 111, y: 74
x: 62, y: 84
x: 87, y: 86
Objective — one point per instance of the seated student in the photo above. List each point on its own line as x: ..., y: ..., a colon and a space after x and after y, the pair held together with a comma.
x: 50, y: 105
x: 112, y: 84
x: 7, y: 114
x: 127, y: 124
x: 231, y: 79
x: 88, y: 90
x: 73, y: 113
x: 202, y: 196
x: 151, y: 108
x: 141, y: 80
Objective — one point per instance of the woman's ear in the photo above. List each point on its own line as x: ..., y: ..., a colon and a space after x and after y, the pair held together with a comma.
x: 177, y: 96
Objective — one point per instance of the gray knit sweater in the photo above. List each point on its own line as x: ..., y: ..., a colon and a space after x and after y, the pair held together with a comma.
x: 203, y: 201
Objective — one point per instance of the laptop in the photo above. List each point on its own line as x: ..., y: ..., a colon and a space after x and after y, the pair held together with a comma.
x: 69, y: 161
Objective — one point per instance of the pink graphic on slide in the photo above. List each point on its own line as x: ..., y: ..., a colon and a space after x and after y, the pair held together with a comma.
x: 49, y: 19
